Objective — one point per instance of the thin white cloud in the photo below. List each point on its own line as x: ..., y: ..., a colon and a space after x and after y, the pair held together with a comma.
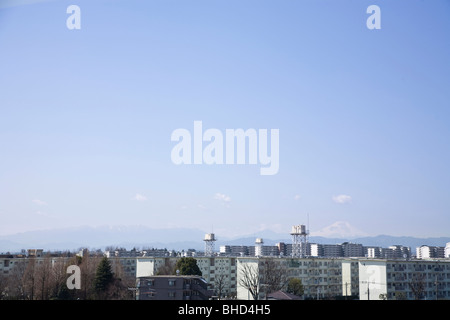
x: 39, y: 202
x: 297, y: 197
x: 342, y: 199
x: 222, y: 197
x: 140, y: 197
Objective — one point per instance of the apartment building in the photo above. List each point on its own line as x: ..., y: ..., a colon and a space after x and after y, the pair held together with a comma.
x: 381, y: 279
x: 235, y: 251
x: 321, y: 277
x: 219, y: 272
x: 172, y: 287
x: 350, y: 278
x: 352, y: 249
x: 331, y: 250
x: 392, y: 252
x: 427, y: 252
x: 9, y: 262
x: 346, y: 249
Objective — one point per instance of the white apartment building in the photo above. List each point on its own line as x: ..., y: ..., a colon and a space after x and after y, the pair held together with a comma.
x: 381, y: 279
x: 427, y: 252
x: 325, y: 250
x: 346, y: 249
x: 392, y: 252
x: 350, y: 278
x: 321, y: 277
x: 220, y: 273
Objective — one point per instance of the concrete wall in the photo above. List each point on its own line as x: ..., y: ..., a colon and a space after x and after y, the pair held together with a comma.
x: 372, y: 279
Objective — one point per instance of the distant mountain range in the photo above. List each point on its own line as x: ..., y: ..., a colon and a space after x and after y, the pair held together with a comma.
x: 177, y: 238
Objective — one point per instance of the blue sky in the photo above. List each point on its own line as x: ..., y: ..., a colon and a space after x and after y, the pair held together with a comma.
x: 363, y: 115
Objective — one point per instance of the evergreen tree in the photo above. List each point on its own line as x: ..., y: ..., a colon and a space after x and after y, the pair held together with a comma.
x: 188, y: 267
x: 103, y: 276
x: 295, y: 286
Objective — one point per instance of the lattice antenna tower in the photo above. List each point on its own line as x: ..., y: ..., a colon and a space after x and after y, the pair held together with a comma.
x: 209, y: 239
x: 299, y: 241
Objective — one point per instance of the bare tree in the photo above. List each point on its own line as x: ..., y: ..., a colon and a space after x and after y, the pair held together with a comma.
x: 3, y: 286
x: 88, y: 265
x: 119, y: 289
x: 168, y: 268
x: 42, y: 270
x: 58, y: 276
x: 274, y: 275
x: 417, y: 285
x: 250, y: 279
x: 16, y: 286
x: 220, y: 283
x: 29, y: 279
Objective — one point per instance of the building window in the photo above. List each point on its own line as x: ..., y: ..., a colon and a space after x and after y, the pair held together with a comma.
x: 171, y: 283
x: 172, y: 294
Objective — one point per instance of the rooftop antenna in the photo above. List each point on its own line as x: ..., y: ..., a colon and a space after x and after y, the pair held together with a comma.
x: 307, y: 226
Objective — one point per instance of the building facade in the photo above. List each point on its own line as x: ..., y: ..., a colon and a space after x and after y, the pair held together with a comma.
x: 219, y: 272
x: 426, y: 279
x: 427, y: 252
x: 321, y: 277
x: 172, y: 287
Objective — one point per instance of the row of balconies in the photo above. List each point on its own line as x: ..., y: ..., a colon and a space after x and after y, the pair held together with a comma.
x: 410, y: 276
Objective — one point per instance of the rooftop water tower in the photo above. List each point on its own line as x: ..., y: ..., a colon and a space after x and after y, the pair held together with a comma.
x: 209, y: 239
x: 258, y: 247
x: 299, y: 240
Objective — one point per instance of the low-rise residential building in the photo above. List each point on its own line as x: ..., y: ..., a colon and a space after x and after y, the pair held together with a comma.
x: 219, y: 272
x: 172, y: 287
